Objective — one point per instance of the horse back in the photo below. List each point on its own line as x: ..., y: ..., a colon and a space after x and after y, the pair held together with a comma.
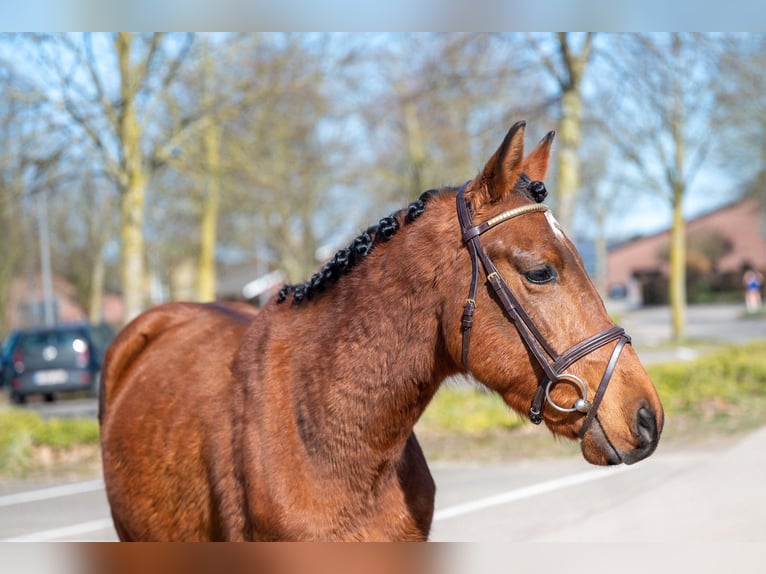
x: 180, y: 318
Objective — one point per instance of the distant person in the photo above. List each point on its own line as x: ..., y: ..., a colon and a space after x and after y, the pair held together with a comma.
x: 634, y: 292
x: 752, y: 280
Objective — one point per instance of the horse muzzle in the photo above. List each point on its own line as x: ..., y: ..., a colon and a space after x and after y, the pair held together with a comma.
x: 602, y: 445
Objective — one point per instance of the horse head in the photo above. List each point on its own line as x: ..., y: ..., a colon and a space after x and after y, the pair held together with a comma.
x: 537, y: 331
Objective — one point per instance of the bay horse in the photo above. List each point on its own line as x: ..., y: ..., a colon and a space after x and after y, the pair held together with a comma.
x: 295, y: 422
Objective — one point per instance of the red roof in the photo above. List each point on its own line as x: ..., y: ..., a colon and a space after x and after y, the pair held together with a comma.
x: 742, y: 223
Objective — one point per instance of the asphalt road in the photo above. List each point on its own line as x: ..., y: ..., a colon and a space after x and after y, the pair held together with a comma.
x: 694, y: 496
x: 681, y: 496
x: 706, y: 326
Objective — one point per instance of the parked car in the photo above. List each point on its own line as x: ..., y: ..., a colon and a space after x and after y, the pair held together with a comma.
x: 49, y: 360
x: 5, y: 359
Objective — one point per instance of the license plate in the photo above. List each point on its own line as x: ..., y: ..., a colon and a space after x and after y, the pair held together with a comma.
x: 51, y: 377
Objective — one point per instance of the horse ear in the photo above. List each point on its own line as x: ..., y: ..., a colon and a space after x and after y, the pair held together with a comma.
x: 535, y: 165
x: 499, y: 176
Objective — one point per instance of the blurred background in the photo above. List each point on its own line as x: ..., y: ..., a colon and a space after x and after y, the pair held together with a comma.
x: 137, y: 169
x: 141, y: 168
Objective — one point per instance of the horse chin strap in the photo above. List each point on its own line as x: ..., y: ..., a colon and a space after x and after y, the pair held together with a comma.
x: 552, y: 363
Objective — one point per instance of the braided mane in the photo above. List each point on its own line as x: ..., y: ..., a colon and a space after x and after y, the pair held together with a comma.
x: 356, y: 251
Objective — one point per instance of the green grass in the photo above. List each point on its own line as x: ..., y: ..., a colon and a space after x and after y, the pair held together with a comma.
x: 723, y: 391
x: 467, y: 409
x: 719, y: 394
x: 730, y: 376
x: 21, y: 432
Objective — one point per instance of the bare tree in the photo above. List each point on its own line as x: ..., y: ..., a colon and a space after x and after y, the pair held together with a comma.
x: 440, y: 101
x: 82, y: 221
x: 32, y: 160
x: 260, y: 165
x: 286, y: 158
x: 741, y: 113
x: 663, y: 127
x: 602, y: 192
x: 206, y: 88
x: 566, y: 61
x: 268, y: 147
x: 11, y: 186
x: 117, y: 100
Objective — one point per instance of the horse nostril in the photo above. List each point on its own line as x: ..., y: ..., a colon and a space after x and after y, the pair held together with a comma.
x: 646, y: 426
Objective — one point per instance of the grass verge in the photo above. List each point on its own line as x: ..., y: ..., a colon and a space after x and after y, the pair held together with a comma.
x: 30, y: 445
x: 708, y: 400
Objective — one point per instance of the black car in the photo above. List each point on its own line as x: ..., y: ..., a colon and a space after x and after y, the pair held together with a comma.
x: 5, y: 359
x: 48, y: 360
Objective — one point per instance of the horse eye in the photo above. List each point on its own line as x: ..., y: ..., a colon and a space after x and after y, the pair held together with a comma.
x: 541, y: 275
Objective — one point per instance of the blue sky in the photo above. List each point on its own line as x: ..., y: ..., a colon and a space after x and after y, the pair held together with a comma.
x: 648, y: 213
x: 373, y: 15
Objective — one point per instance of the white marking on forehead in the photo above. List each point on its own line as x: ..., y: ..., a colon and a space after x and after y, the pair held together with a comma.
x: 557, y: 231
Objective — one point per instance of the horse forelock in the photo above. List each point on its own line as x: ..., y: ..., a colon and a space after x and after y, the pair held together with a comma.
x: 357, y: 251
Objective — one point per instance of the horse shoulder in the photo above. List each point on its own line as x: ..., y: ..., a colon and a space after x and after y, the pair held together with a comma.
x: 288, y: 497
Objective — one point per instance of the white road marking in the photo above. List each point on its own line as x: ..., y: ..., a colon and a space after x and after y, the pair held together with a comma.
x: 443, y: 514
x: 528, y: 492
x: 64, y: 531
x: 53, y: 492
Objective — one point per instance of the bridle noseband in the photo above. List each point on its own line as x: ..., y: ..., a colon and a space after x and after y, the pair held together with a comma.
x: 555, y: 369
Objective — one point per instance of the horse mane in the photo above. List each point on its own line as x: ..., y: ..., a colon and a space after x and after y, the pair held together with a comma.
x: 356, y: 251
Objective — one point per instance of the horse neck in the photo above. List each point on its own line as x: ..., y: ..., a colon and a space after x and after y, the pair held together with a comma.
x: 368, y: 352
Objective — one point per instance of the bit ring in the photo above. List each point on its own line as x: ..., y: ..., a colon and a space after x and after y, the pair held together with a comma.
x: 581, y: 405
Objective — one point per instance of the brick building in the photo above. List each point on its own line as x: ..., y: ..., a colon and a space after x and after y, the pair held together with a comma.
x: 720, y: 244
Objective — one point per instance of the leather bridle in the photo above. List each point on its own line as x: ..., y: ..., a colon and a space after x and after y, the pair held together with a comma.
x: 553, y: 364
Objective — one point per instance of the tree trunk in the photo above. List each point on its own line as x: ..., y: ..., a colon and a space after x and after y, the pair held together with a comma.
x: 568, y: 183
x: 415, y: 148
x: 602, y: 254
x: 96, y: 305
x: 132, y: 251
x: 206, y: 276
x: 568, y: 159
x: 678, y: 267
x: 678, y: 231
x: 133, y: 192
x: 9, y: 254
